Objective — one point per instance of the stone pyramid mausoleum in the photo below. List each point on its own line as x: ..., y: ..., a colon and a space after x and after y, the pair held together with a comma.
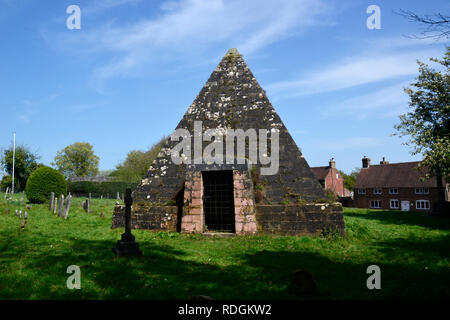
x: 219, y: 188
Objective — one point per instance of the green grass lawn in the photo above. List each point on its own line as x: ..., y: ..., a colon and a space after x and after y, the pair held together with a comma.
x: 411, y: 249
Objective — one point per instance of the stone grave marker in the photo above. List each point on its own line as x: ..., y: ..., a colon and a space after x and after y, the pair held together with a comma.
x: 86, y: 205
x: 60, y: 205
x: 52, y: 201
x: 67, y: 206
x: 55, y: 204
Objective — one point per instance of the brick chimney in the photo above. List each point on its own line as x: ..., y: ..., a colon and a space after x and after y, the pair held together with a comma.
x: 365, y: 162
x: 332, y: 163
x: 384, y: 161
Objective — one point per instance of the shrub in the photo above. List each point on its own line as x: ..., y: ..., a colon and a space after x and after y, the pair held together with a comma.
x: 6, y: 182
x: 42, y: 182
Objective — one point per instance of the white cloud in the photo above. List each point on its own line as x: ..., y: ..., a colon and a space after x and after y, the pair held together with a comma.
x: 357, y: 70
x: 192, y: 27
x: 387, y: 102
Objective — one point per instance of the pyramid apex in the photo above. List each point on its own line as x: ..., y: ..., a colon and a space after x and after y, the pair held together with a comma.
x: 232, y: 52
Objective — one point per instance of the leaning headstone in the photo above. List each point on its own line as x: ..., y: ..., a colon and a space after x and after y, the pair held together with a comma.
x: 25, y: 215
x: 52, y: 201
x: 60, y: 205
x: 17, y: 212
x: 6, y: 192
x: 20, y: 214
x: 67, y: 207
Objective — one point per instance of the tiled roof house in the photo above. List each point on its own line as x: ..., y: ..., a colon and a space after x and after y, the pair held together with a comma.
x: 395, y: 186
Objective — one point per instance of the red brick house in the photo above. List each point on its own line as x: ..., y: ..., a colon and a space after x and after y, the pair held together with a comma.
x: 395, y: 186
x: 330, y: 178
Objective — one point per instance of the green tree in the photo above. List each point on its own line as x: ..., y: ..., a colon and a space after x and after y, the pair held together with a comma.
x: 349, y: 179
x: 78, y: 159
x: 25, y: 163
x: 137, y: 162
x: 428, y: 123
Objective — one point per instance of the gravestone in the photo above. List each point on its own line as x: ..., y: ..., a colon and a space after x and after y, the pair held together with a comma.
x: 86, y: 205
x: 127, y: 246
x: 118, y: 196
x: 55, y: 204
x: 52, y: 201
x: 67, y: 206
x: 6, y: 192
x: 60, y: 205
x: 24, y: 220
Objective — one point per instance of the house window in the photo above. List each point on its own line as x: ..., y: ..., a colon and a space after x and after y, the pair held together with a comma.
x: 337, y: 176
x: 393, y: 191
x: 422, y: 205
x: 422, y: 191
x: 376, y: 190
x: 361, y: 191
x: 394, y: 204
x: 375, y: 204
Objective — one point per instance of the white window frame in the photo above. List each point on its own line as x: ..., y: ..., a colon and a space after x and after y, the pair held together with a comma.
x: 375, y: 201
x: 391, y: 190
x: 392, y: 207
x: 375, y: 191
x: 420, y: 204
x: 422, y: 190
x: 361, y: 191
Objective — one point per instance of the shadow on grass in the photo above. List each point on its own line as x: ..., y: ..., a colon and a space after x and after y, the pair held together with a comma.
x: 401, y: 217
x: 167, y: 273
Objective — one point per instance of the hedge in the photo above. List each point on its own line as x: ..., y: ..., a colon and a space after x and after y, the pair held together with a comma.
x: 97, y: 189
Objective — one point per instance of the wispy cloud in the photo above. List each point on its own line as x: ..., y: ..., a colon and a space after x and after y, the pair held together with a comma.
x: 388, y: 102
x: 354, y: 71
x: 193, y: 27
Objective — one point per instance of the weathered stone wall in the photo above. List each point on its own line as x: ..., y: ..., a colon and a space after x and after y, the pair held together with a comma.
x: 193, y: 219
x: 244, y: 203
x: 306, y: 219
x: 158, y: 218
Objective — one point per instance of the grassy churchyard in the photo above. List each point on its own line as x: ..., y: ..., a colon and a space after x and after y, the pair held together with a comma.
x: 411, y: 249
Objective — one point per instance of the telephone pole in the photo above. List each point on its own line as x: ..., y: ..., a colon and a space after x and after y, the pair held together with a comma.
x: 14, y: 161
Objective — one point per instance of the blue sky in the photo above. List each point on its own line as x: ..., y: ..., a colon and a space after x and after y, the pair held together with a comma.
x: 128, y: 75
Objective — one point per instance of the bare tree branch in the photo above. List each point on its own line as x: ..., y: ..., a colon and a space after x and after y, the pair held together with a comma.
x: 436, y: 26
